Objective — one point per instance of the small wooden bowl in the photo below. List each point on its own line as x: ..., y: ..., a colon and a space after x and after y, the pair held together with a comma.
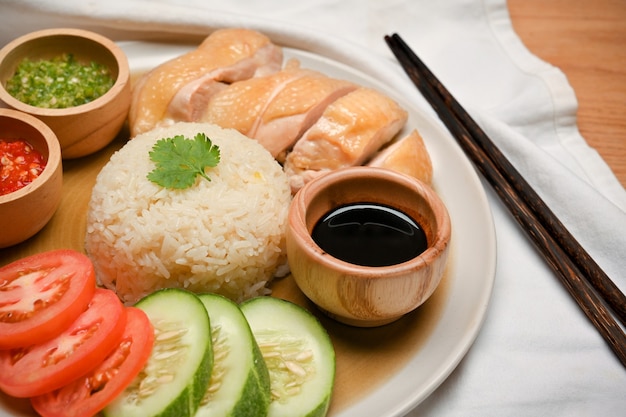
x: 26, y: 211
x: 357, y: 295
x: 83, y: 129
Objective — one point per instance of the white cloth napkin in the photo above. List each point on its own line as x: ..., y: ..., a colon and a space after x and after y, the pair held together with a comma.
x: 536, y: 353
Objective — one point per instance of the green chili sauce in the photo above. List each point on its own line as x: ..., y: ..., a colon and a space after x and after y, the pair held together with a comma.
x: 59, y: 82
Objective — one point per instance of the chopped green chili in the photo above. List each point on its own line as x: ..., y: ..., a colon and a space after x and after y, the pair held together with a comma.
x: 59, y: 82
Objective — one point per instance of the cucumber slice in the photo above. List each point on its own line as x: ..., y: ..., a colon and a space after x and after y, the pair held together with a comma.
x: 177, y: 374
x: 298, y: 353
x: 240, y: 385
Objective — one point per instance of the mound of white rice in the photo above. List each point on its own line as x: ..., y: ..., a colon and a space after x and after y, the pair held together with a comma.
x: 224, y: 236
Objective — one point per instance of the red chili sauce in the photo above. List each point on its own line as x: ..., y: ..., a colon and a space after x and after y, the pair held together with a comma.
x: 20, y: 164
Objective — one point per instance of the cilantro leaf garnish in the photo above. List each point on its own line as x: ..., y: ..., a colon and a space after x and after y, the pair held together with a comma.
x: 179, y: 160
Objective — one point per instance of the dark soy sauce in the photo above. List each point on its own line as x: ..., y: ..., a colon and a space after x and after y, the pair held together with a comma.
x: 369, y: 234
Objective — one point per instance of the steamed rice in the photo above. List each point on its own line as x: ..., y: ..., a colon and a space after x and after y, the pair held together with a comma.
x: 224, y: 236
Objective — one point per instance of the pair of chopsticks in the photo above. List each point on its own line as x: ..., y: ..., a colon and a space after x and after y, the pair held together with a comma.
x: 594, y: 292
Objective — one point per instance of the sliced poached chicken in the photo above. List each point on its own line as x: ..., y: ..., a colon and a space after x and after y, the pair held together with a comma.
x: 241, y: 104
x: 310, y: 122
x: 296, y: 108
x: 408, y: 156
x: 276, y: 109
x: 348, y: 133
x: 176, y: 89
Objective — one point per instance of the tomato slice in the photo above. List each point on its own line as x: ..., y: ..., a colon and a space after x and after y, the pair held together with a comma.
x: 41, y: 295
x: 37, y: 369
x: 91, y: 393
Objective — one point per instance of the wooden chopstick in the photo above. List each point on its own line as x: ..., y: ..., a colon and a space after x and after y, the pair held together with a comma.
x: 598, y: 278
x: 577, y: 271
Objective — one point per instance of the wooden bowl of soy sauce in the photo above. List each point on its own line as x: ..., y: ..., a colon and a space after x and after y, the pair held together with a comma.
x: 367, y: 245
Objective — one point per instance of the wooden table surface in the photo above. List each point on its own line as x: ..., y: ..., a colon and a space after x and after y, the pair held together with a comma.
x: 586, y: 39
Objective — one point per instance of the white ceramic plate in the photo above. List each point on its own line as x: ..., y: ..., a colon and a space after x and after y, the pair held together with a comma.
x: 472, y: 261
x: 473, y: 257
